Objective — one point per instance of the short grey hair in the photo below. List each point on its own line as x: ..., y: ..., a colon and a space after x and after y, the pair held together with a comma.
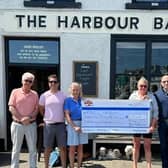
x: 27, y: 75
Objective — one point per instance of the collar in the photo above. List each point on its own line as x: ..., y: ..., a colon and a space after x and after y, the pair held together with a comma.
x: 79, y: 99
x: 22, y: 91
x: 165, y: 91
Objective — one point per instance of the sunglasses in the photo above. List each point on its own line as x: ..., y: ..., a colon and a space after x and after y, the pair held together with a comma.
x: 143, y: 86
x: 28, y: 81
x: 164, y: 81
x: 53, y: 82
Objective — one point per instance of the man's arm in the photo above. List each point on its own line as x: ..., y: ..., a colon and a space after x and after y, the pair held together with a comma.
x: 35, y: 112
x: 41, y: 110
x: 15, y: 115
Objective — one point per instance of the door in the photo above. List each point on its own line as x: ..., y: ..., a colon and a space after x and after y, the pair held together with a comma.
x: 14, y: 81
x: 38, y: 55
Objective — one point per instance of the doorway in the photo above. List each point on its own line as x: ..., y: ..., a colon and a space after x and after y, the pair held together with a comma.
x: 38, y: 55
x: 13, y: 80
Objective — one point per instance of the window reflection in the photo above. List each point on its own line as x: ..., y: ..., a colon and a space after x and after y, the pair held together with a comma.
x: 159, y: 58
x: 130, y: 62
x: 155, y: 81
x: 127, y: 54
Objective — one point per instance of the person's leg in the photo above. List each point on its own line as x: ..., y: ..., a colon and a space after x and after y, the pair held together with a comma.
x: 83, y: 139
x: 63, y: 156
x: 49, y: 137
x: 72, y: 141
x: 72, y: 150
x: 147, y: 149
x: 136, y: 149
x: 47, y: 152
x: 80, y: 154
x: 31, y: 139
x: 62, y: 143
x: 17, y: 134
x: 163, y: 135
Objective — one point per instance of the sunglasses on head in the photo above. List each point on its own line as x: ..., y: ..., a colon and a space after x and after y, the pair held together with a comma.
x: 28, y: 81
x: 143, y: 86
x: 53, y: 81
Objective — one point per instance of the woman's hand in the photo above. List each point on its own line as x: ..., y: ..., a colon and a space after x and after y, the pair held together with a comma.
x: 153, y: 125
x: 77, y: 129
x: 151, y: 129
x: 88, y: 102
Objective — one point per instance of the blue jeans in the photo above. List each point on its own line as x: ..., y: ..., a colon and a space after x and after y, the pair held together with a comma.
x: 163, y: 135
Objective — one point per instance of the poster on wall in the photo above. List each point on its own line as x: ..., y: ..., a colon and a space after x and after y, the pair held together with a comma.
x: 33, y: 51
x: 86, y: 73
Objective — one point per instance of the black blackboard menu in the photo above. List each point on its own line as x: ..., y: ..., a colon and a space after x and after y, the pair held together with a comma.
x: 86, y: 74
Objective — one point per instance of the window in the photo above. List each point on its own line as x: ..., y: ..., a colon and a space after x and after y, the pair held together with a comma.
x: 159, y: 58
x: 133, y: 57
x: 52, y: 3
x: 127, y: 72
x: 147, y: 4
x: 159, y: 61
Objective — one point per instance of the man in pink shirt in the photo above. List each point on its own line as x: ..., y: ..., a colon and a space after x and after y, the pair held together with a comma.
x: 51, y: 107
x: 23, y: 105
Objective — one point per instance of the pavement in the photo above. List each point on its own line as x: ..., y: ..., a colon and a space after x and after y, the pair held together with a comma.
x: 88, y: 163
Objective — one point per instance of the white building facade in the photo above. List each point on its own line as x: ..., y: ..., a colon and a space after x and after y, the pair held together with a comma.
x: 104, y: 44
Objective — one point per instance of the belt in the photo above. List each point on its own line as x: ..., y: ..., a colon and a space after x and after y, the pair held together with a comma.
x: 19, y: 122
x: 57, y: 123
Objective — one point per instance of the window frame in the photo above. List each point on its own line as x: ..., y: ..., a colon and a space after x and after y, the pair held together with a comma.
x: 52, y: 4
x: 148, y: 39
x: 146, y: 5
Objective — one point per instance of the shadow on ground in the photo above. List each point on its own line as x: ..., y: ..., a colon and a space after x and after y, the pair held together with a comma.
x: 5, y: 158
x: 94, y: 166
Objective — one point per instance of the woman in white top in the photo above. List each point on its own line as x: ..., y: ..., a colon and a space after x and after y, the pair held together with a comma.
x: 143, y: 94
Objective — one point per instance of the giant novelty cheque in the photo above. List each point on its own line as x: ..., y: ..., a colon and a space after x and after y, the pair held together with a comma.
x: 116, y: 116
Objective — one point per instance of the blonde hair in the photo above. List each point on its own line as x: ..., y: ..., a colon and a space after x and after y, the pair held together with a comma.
x: 142, y: 79
x: 77, y: 85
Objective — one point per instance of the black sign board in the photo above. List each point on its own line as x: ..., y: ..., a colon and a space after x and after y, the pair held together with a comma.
x: 86, y: 74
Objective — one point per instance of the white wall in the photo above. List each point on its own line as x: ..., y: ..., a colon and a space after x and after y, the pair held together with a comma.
x: 3, y: 130
x: 103, y: 4
x: 11, y: 4
x: 86, y: 47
